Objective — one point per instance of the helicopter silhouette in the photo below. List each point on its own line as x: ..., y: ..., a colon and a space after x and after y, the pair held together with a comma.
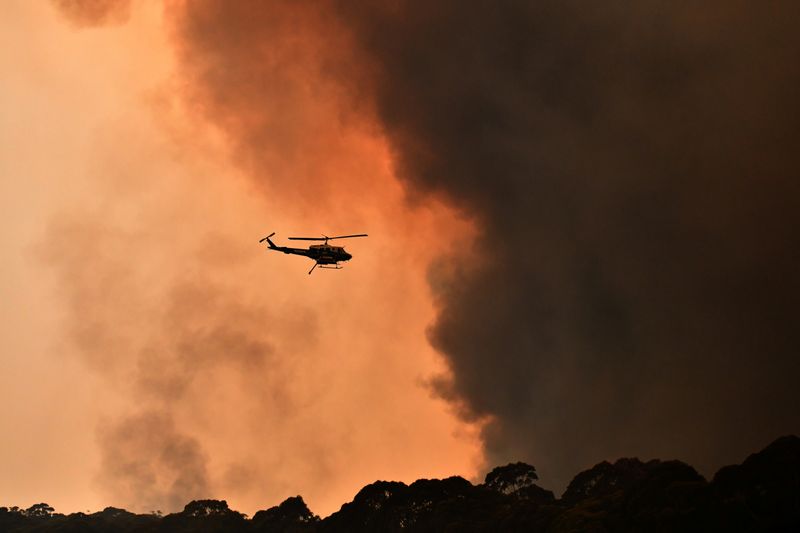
x: 323, y: 254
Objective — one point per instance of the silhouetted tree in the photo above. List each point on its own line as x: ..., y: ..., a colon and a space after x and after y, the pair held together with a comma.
x: 39, y: 510
x: 510, y: 478
x: 207, y: 508
x: 206, y: 516
x: 293, y: 515
x: 518, y: 480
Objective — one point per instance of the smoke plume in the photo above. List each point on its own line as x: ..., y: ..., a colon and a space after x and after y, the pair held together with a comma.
x: 633, y: 171
x: 171, y: 473
x: 87, y: 13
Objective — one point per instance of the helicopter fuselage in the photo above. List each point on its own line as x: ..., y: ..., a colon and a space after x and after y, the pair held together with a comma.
x: 323, y: 254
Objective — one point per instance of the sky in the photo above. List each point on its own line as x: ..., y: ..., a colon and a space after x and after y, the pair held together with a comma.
x: 582, y: 243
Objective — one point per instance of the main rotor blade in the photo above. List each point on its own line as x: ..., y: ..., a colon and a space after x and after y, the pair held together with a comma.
x: 348, y: 236
x: 326, y: 238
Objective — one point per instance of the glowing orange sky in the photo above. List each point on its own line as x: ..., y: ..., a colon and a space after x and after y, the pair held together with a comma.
x: 135, y: 296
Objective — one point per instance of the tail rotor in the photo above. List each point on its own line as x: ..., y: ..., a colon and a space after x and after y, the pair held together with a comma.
x: 269, y: 242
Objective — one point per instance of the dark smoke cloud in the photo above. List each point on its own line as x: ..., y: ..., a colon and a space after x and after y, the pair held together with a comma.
x: 87, y: 13
x: 633, y: 170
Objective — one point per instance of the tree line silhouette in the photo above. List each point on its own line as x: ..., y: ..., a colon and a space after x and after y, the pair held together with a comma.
x: 761, y: 494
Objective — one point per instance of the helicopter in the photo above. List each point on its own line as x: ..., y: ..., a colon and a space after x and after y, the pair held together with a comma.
x: 323, y: 254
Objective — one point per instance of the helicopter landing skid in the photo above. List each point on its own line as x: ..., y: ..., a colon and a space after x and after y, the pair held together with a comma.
x: 326, y: 267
